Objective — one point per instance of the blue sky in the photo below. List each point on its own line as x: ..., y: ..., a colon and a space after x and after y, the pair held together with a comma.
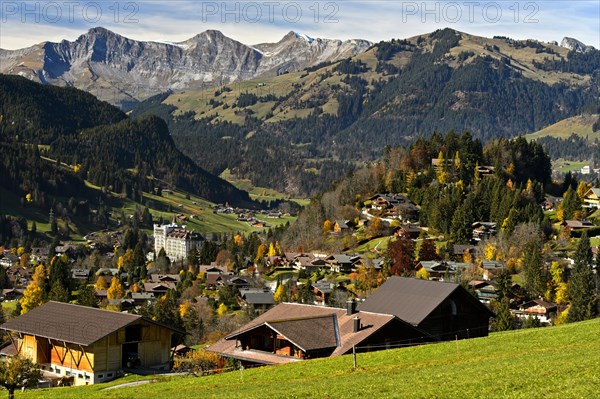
x: 24, y: 23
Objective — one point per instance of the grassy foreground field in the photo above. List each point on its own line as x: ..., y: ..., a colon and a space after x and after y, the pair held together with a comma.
x: 554, y: 362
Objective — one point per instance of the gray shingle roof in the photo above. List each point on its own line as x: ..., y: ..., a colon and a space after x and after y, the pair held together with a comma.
x: 309, y: 333
x: 411, y: 300
x: 70, y: 323
x: 259, y: 298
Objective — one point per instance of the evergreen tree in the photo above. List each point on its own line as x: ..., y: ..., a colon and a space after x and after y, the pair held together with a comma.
x: 138, y: 261
x: 166, y: 310
x: 58, y: 292
x: 581, y: 287
x: 427, y: 251
x: 504, y: 320
x: 87, y: 295
x: 60, y: 271
x: 535, y: 281
x: 571, y: 203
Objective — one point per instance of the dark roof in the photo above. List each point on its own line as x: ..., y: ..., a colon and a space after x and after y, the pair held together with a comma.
x: 309, y: 333
x: 259, y: 298
x: 70, y: 323
x: 311, y: 322
x: 410, y: 299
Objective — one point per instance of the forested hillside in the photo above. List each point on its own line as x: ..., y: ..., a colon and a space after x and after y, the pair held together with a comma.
x: 451, y: 197
x: 40, y: 114
x: 299, y: 132
x: 66, y: 154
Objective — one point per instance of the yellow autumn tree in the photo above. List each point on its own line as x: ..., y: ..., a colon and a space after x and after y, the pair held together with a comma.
x: 280, y: 294
x: 442, y: 175
x: 272, y: 251
x: 222, y: 310
x: 184, y: 308
x: 562, y: 294
x: 510, y: 185
x: 25, y: 260
x: 238, y: 240
x: 116, y: 290
x: 327, y: 226
x: 490, y: 252
x: 261, y: 251
x: 582, y: 189
x: 20, y: 251
x: 467, y: 256
x: 101, y: 283
x: 135, y: 288
x: 423, y: 274
x: 33, y: 295
x: 28, y: 197
x: 560, y: 213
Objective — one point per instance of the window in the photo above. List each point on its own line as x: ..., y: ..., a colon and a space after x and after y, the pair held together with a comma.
x: 67, y: 373
x: 100, y: 376
x: 133, y: 333
x: 109, y: 375
x: 87, y: 377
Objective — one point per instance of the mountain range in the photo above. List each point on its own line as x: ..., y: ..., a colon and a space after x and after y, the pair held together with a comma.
x: 301, y: 131
x: 301, y: 113
x: 124, y: 71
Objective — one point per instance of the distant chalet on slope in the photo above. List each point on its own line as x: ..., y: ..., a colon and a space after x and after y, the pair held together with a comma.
x: 90, y: 345
x: 402, y: 311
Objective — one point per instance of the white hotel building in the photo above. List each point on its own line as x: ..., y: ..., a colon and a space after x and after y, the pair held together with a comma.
x: 177, y: 241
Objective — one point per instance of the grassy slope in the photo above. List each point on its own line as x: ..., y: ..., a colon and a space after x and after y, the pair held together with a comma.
x: 207, y: 222
x: 557, y: 362
x: 581, y: 125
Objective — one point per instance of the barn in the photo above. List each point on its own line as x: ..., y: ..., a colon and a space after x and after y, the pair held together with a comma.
x: 90, y: 345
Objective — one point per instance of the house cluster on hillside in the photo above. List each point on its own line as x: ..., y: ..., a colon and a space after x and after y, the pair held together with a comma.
x: 390, y: 207
x: 250, y: 216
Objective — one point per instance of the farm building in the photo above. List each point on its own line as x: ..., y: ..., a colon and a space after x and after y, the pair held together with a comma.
x: 90, y: 345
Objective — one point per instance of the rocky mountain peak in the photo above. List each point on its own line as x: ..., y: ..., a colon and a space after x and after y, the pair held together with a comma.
x: 575, y: 45
x: 124, y: 71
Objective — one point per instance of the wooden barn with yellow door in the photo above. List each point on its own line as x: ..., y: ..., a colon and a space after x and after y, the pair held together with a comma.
x: 90, y: 345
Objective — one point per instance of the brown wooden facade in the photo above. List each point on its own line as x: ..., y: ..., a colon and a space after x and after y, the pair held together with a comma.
x: 103, y: 360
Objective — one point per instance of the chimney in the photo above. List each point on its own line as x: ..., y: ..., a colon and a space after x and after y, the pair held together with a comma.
x: 356, y: 321
x: 350, y: 307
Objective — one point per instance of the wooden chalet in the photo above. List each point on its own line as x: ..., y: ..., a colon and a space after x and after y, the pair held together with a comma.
x: 441, y: 269
x: 293, y: 332
x: 443, y: 311
x: 392, y: 206
x: 90, y: 345
x: 577, y: 224
x: 539, y: 308
x: 159, y: 289
x: 591, y: 199
x: 342, y: 226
